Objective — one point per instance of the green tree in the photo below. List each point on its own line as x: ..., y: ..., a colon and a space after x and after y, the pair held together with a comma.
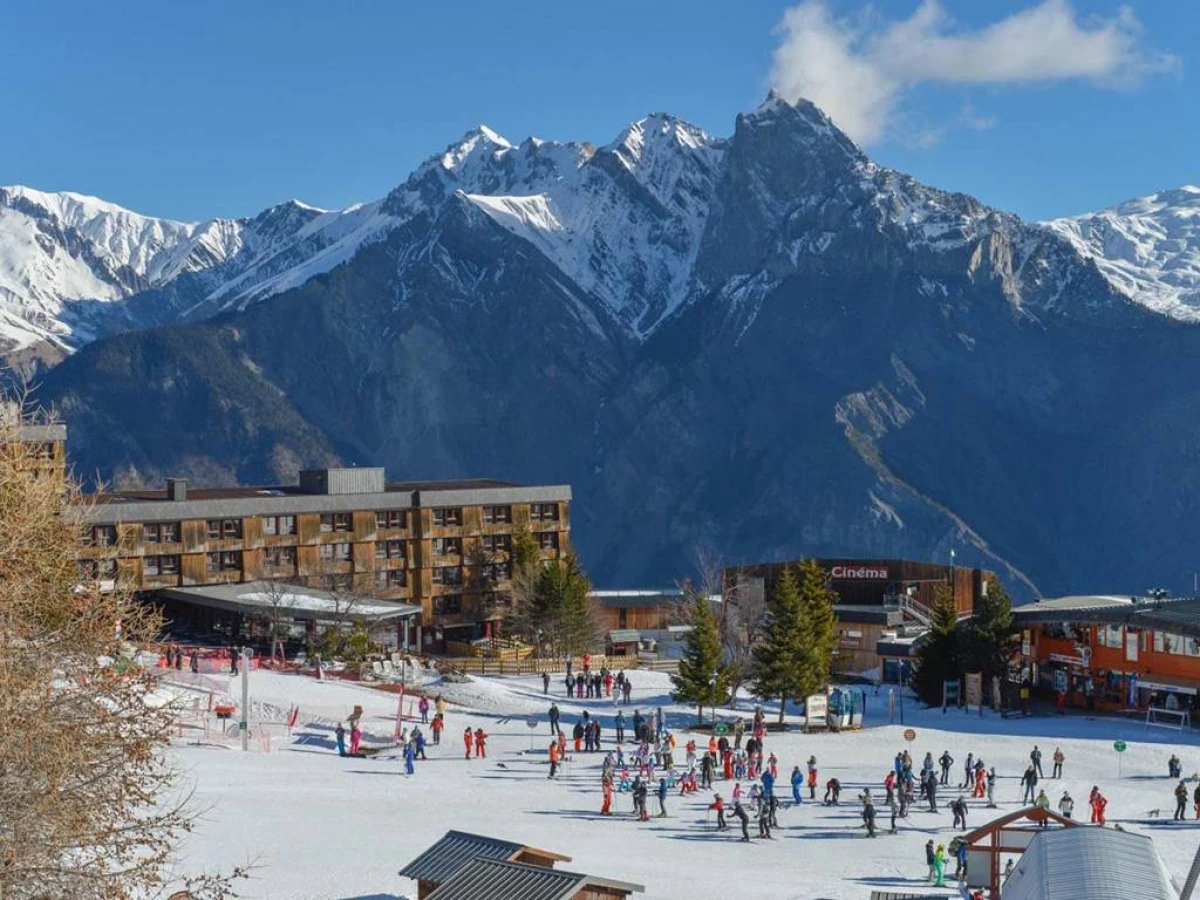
x: 938, y: 654
x: 779, y: 658
x: 526, y: 617
x: 989, y: 637
x: 818, y: 634
x: 577, y: 615
x: 702, y: 677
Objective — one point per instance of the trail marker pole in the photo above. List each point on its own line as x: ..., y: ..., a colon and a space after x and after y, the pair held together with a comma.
x: 244, y: 723
x: 531, y: 723
x: 1119, y: 746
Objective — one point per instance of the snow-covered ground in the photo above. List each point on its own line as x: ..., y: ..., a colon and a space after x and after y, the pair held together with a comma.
x: 318, y: 826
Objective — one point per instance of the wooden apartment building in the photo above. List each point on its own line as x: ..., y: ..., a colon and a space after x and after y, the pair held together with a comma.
x: 443, y: 546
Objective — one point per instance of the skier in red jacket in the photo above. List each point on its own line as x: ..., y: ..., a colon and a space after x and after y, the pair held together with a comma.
x: 468, y: 739
x: 480, y: 742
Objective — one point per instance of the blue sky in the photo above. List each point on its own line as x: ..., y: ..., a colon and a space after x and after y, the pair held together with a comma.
x: 222, y: 109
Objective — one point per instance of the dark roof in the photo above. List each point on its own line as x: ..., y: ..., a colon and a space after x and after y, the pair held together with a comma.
x: 867, y: 614
x: 1181, y: 616
x: 457, y: 848
x: 489, y: 879
x: 291, y: 490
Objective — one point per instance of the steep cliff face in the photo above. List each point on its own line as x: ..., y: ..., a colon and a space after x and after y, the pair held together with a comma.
x: 764, y: 344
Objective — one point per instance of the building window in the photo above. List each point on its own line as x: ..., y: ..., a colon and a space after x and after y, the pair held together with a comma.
x: 448, y: 575
x: 224, y: 529
x: 547, y: 540
x: 160, y: 533
x: 97, y: 569
x: 391, y: 518
x: 497, y: 515
x: 498, y: 572
x: 447, y: 547
x: 102, y: 535
x: 336, y: 522
x: 448, y: 516
x: 279, y: 557
x: 391, y: 578
x: 160, y: 565
x: 543, y: 512
x: 279, y: 524
x: 448, y: 605
x: 223, y: 561
x: 335, y: 552
x: 389, y: 549
x: 497, y: 543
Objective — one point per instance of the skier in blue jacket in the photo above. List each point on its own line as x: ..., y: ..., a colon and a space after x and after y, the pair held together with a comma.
x: 662, y: 797
x: 797, y: 784
x: 408, y: 758
x: 768, y: 785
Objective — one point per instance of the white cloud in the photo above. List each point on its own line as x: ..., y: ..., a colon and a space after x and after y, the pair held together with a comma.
x: 859, y: 71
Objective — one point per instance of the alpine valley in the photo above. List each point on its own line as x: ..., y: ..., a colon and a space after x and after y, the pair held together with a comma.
x: 765, y: 344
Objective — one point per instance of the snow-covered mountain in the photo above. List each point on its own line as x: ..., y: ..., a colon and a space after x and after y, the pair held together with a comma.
x: 1148, y: 248
x: 625, y: 223
x: 69, y: 262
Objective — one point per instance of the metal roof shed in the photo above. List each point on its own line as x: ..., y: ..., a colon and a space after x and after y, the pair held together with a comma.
x: 456, y: 849
x: 489, y: 879
x: 1093, y: 862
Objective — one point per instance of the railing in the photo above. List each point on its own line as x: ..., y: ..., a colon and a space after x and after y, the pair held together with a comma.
x: 915, y: 610
x: 478, y: 665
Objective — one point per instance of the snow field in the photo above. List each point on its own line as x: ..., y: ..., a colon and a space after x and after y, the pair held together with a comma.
x: 319, y: 826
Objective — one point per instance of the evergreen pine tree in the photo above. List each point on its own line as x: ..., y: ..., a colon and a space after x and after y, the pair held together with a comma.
x: 819, y: 627
x: 779, y: 658
x: 578, y: 622
x: 938, y: 656
x: 702, y: 677
x: 989, y: 636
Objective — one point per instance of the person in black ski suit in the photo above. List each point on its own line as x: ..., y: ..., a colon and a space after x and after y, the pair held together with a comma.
x: 554, y: 718
x: 946, y: 761
x: 740, y: 812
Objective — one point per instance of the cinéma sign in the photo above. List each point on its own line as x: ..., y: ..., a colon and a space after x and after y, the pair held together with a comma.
x: 861, y: 573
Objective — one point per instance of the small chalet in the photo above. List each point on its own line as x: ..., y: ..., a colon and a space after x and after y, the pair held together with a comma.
x: 456, y: 849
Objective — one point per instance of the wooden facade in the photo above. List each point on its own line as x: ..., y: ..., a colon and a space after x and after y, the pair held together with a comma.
x: 452, y: 559
x: 875, y: 582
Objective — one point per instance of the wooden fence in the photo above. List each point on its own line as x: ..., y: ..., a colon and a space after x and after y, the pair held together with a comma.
x: 479, y: 665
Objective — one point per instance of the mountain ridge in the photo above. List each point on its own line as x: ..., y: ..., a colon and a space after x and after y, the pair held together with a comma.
x: 67, y: 278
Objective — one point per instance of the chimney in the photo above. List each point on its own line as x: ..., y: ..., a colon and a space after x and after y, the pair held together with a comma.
x: 176, y: 488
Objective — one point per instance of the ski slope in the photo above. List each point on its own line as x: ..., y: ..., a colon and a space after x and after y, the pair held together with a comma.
x: 318, y: 826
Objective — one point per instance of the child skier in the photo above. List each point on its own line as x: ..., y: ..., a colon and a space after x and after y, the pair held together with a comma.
x: 480, y: 742
x: 340, y: 734
x: 468, y: 741
x: 797, y: 785
x: 719, y: 805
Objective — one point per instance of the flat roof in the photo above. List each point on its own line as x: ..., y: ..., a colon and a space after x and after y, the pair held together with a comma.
x: 1178, y: 615
x: 292, y: 490
x: 293, y: 601
x: 637, y: 599
x: 289, y: 499
x: 867, y: 614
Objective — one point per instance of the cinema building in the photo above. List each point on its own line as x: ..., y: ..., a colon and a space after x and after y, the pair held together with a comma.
x: 1114, y: 652
x: 439, y: 552
x: 883, y: 605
